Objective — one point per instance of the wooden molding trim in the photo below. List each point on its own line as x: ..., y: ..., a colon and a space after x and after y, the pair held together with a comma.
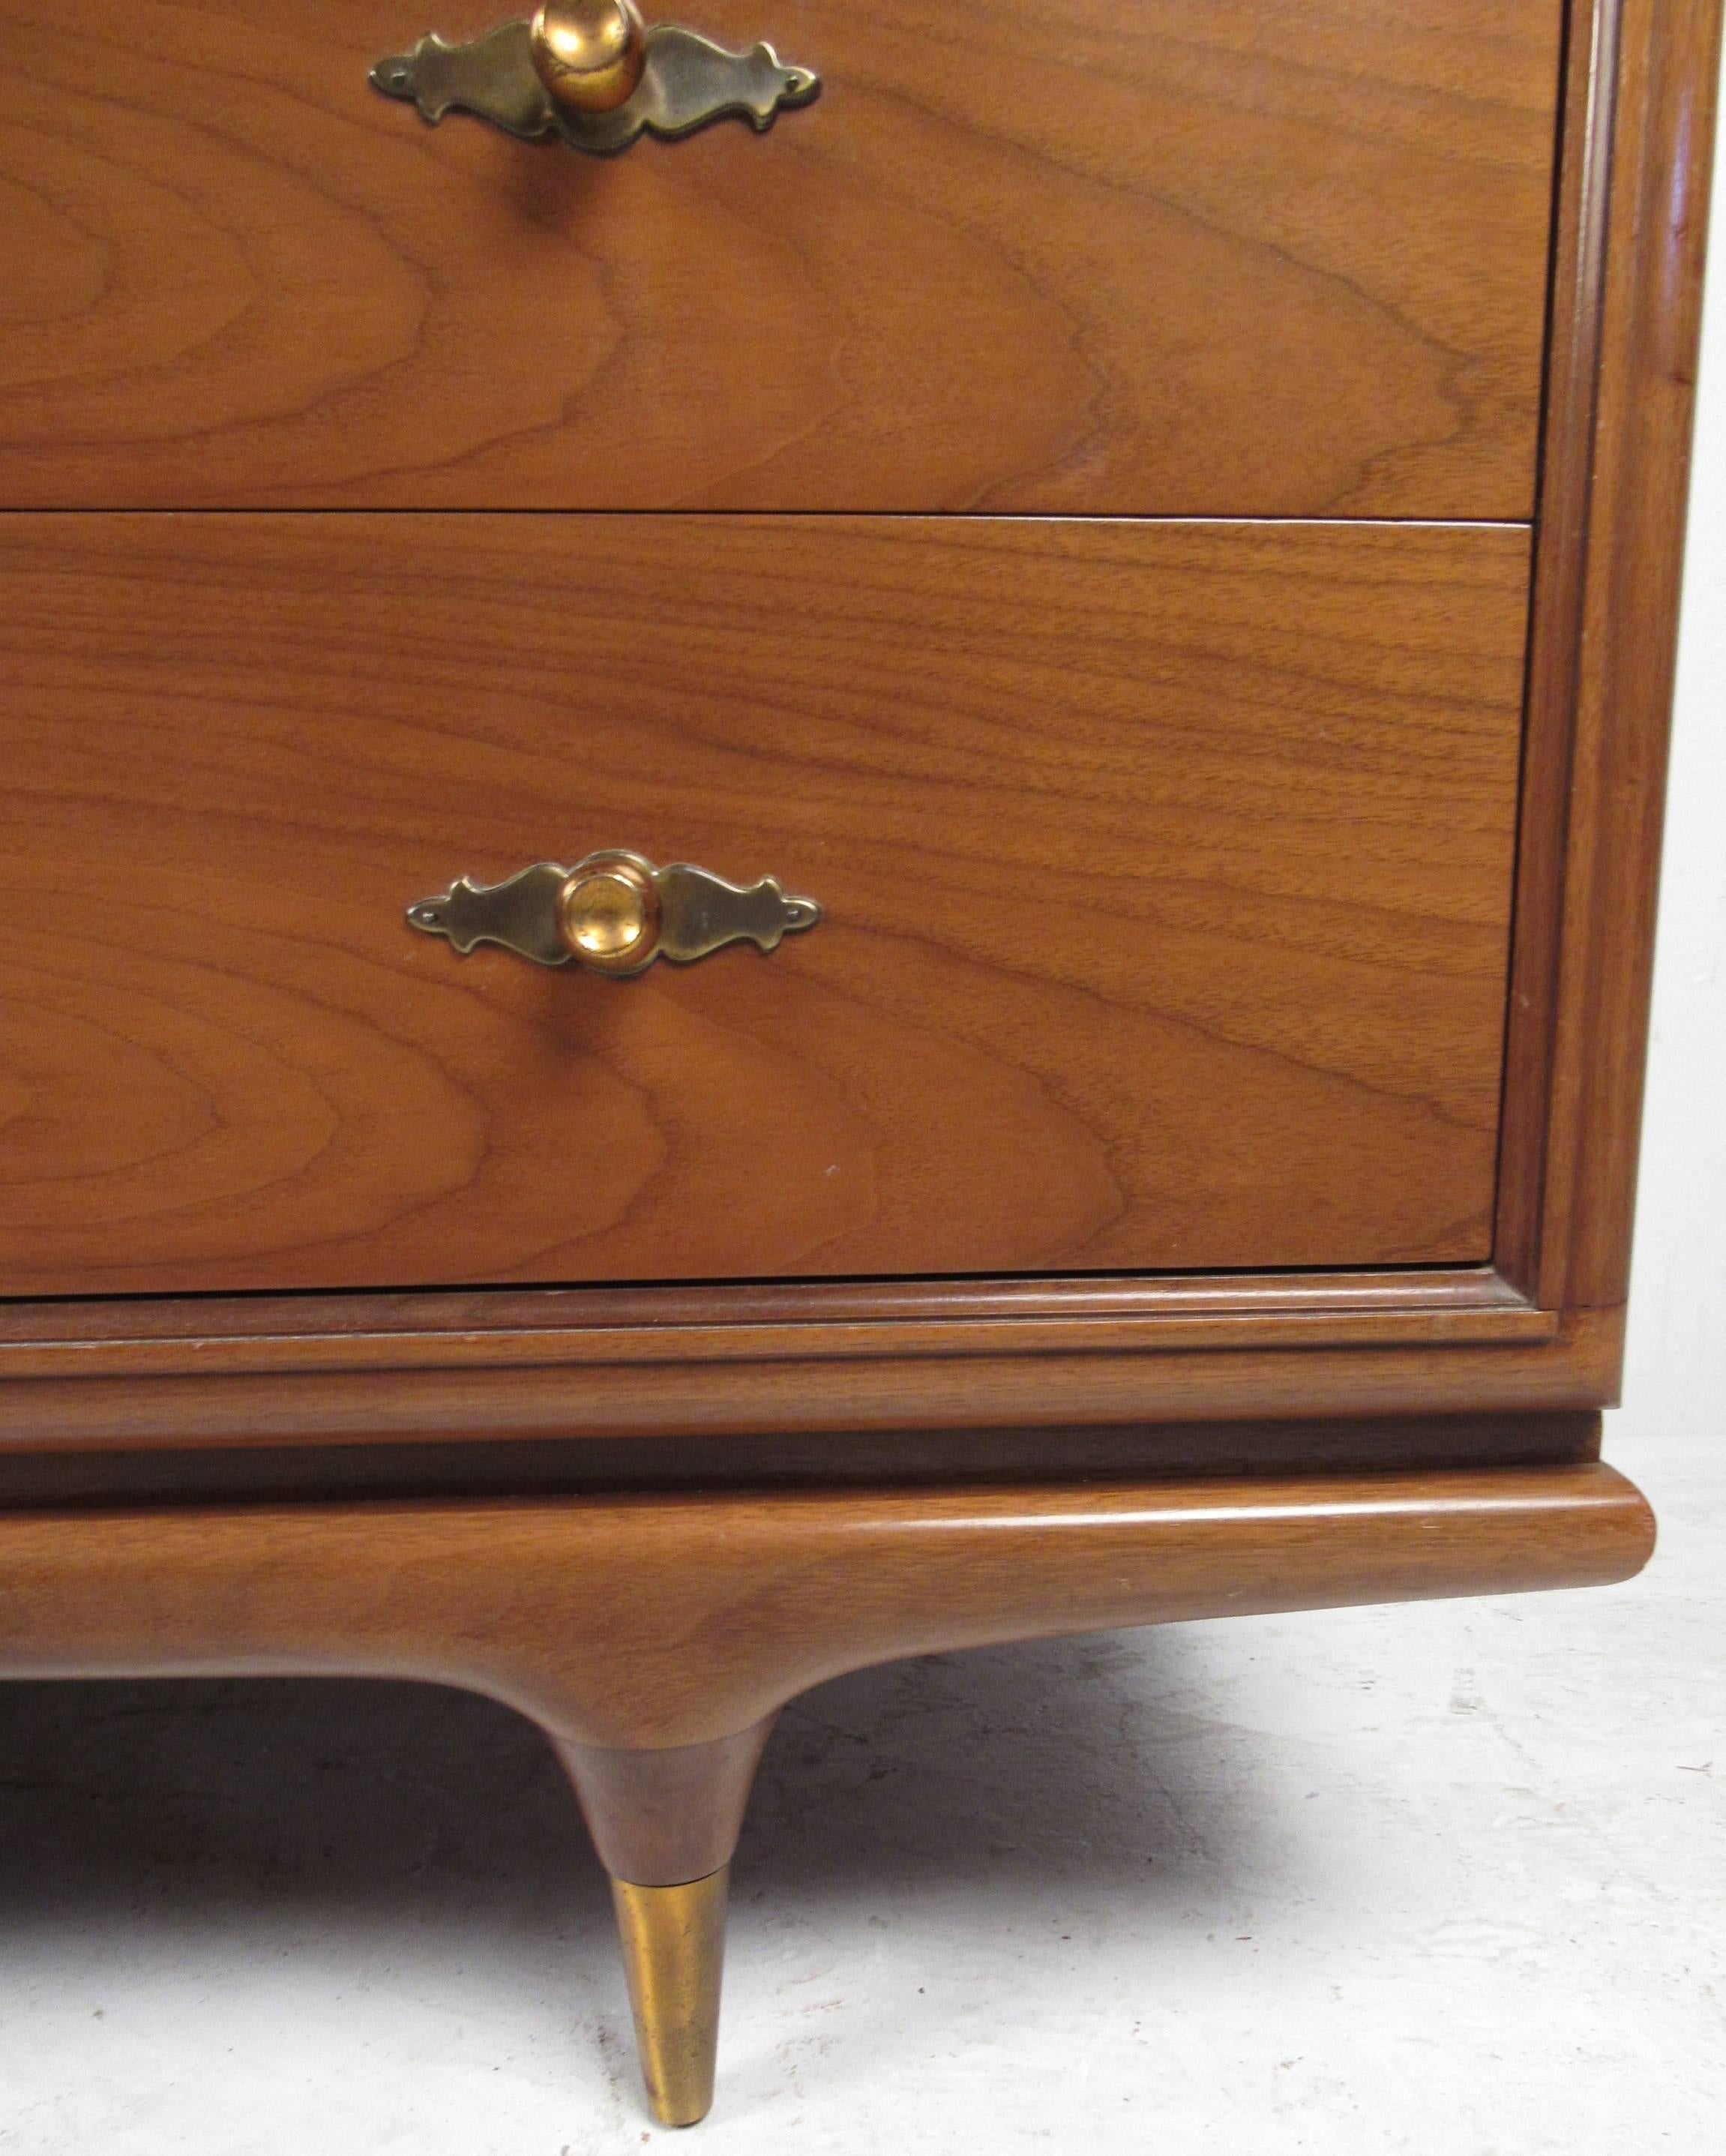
x: 1638, y: 137
x: 610, y: 1362
x: 117, y: 1322
x: 692, y: 1618
x: 579, y: 1327
x: 972, y: 1384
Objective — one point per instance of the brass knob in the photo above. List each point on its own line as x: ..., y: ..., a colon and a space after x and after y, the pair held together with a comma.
x: 589, y: 53
x: 608, y: 914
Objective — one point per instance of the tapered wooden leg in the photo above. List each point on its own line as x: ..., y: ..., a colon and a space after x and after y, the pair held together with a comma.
x: 665, y: 1823
x: 661, y: 1816
x: 654, y: 1637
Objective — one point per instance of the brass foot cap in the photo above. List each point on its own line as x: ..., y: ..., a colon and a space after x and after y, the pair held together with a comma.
x: 674, y: 1952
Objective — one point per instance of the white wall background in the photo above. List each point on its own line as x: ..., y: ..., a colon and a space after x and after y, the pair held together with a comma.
x: 1676, y: 1383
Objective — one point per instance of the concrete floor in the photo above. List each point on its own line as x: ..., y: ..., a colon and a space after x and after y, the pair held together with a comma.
x: 1449, y: 1879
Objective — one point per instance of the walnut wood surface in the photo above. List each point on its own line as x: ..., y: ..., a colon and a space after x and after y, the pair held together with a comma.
x: 639, y: 1622
x: 1167, y: 871
x: 149, y: 1335
x: 730, y: 1385
x: 660, y: 1818
x: 1580, y: 230
x: 1605, y: 641
x: 1607, y: 568
x: 1173, y: 258
x: 654, y: 1638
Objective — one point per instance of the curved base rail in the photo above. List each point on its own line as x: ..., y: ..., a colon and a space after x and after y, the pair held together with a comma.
x: 654, y: 1637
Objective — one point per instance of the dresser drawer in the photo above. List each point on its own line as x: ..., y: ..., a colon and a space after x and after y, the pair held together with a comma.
x: 1166, y: 873
x: 1277, y: 257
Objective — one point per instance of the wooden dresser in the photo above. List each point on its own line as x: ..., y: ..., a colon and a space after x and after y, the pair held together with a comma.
x: 821, y: 848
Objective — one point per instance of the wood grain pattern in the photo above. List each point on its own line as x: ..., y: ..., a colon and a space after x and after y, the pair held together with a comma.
x: 1167, y: 870
x: 653, y: 1639
x: 673, y: 1813
x: 820, y: 1378
x: 1618, y: 402
x: 496, y: 1327
x: 642, y: 1622
x: 1581, y: 233
x: 1167, y: 867
x: 127, y: 1334
x: 1178, y: 258
x: 1604, y: 650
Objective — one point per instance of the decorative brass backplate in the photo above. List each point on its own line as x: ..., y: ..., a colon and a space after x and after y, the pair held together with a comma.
x: 613, y: 913
x: 686, y: 82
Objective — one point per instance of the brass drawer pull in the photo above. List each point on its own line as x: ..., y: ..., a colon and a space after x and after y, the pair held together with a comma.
x: 613, y: 913
x: 593, y: 72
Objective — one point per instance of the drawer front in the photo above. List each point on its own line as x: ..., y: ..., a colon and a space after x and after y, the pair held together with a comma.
x: 1270, y: 258
x: 1167, y: 872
